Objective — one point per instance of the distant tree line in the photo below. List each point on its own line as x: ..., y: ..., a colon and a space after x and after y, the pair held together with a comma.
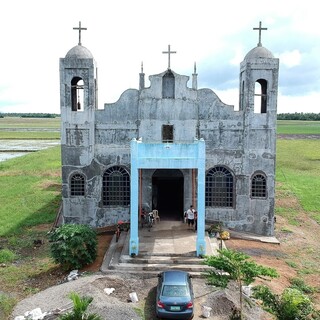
x: 299, y: 116
x: 30, y: 115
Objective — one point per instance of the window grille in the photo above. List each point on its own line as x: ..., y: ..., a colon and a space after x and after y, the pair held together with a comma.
x: 259, y: 186
x: 77, y: 185
x: 219, y: 188
x: 116, y: 187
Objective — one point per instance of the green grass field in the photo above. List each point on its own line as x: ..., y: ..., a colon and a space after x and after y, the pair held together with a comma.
x: 16, y: 123
x: 298, y: 127
x: 30, y: 190
x: 29, y: 135
x: 298, y: 172
x: 15, y: 128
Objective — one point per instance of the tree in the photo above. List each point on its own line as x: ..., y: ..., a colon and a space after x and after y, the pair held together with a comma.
x: 233, y: 265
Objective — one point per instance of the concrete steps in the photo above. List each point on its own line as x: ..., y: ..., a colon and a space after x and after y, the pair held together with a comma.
x: 117, y: 258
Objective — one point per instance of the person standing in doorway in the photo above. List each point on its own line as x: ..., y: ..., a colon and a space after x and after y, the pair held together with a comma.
x: 190, y: 216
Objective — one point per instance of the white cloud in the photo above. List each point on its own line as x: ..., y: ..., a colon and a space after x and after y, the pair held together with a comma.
x: 290, y: 58
x: 239, y: 54
x: 304, y: 103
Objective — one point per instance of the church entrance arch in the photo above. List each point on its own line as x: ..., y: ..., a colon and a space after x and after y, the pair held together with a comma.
x: 167, y: 193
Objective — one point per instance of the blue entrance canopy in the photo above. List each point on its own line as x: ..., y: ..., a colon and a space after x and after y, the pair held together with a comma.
x: 167, y: 156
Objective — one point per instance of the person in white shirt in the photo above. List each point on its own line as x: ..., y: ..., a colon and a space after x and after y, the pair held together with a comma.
x: 190, y: 216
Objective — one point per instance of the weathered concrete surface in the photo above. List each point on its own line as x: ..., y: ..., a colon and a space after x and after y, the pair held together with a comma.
x: 243, y: 142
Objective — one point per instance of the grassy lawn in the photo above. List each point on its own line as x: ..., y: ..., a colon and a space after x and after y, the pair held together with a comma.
x: 298, y: 172
x: 29, y: 135
x: 16, y: 122
x: 15, y: 128
x: 298, y: 127
x: 30, y: 190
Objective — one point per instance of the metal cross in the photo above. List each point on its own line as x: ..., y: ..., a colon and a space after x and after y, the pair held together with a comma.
x: 79, y: 28
x: 260, y: 28
x: 169, y: 52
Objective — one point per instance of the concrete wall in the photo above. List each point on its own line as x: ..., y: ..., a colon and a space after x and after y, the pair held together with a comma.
x: 242, y: 141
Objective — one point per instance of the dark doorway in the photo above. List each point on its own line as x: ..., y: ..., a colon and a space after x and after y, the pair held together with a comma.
x: 167, y: 193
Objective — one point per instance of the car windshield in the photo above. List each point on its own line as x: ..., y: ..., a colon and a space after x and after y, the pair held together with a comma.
x: 175, y: 291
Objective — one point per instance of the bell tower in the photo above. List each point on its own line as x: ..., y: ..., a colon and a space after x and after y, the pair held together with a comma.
x: 259, y: 73
x: 78, y: 102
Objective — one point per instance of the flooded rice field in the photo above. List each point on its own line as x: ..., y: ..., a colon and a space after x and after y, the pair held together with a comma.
x: 16, y: 148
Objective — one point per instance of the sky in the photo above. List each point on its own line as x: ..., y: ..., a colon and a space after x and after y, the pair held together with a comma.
x: 122, y: 34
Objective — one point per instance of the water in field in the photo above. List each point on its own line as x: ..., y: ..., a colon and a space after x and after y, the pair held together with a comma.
x: 16, y: 148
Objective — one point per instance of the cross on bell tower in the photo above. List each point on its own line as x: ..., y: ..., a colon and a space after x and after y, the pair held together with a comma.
x: 169, y: 52
x: 260, y: 29
x: 79, y: 28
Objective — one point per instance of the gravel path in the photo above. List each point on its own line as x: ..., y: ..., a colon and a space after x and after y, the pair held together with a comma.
x: 118, y: 305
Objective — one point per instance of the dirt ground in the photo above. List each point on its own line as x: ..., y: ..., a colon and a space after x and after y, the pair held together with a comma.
x: 297, y: 255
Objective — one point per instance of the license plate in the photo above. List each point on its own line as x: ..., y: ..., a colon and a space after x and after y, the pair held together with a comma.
x: 175, y: 308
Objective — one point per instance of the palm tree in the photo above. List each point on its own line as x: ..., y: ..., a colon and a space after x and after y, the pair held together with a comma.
x: 80, y: 306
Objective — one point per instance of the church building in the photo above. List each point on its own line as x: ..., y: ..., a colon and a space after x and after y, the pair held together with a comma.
x: 168, y: 146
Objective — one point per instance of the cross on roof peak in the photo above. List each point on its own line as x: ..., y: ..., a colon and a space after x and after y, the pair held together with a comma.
x: 79, y: 28
x: 260, y: 29
x: 169, y: 53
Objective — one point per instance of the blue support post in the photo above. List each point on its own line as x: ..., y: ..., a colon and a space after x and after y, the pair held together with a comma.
x: 201, y: 243
x: 134, y: 195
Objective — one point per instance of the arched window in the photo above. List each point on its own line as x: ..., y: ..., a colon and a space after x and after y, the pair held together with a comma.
x: 168, y: 85
x: 116, y: 187
x: 260, y: 96
x: 219, y: 187
x: 258, y: 186
x: 77, y: 185
x: 77, y: 94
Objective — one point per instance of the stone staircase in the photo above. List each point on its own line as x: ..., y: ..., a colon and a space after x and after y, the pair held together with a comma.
x: 161, y: 249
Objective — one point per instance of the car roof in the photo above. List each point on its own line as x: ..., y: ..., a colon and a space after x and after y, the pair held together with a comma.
x: 174, y: 276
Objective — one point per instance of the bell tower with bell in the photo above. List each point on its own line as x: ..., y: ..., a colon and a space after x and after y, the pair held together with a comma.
x: 78, y: 102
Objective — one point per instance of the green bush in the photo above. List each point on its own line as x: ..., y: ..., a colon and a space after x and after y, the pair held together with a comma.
x: 73, y: 246
x: 297, y: 283
x: 6, y: 255
x: 292, y: 304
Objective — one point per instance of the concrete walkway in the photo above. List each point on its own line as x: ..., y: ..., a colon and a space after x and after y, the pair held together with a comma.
x: 168, y: 244
x: 172, y: 237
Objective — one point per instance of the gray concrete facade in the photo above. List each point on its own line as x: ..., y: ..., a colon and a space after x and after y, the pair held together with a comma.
x: 240, y: 144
